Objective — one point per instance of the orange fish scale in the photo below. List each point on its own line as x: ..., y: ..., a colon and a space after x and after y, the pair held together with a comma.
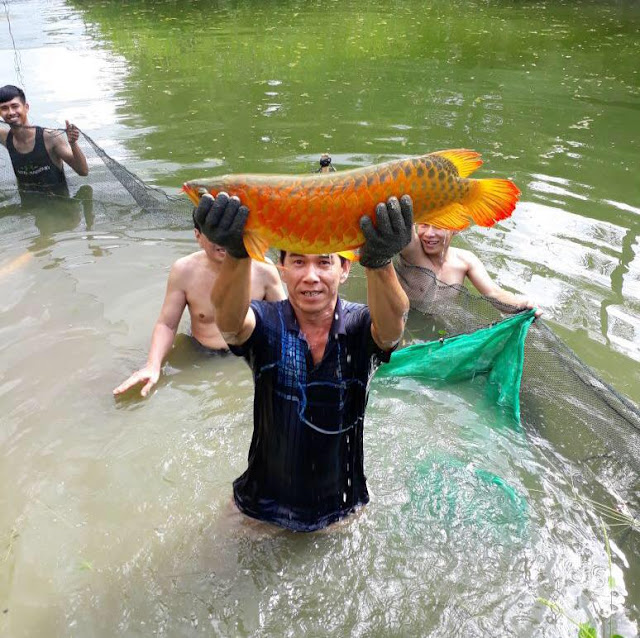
x: 320, y: 213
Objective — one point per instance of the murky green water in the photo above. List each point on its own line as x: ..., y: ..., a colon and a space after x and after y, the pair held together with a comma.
x: 115, y: 517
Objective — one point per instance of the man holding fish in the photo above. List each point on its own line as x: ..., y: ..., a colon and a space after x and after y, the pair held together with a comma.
x: 312, y: 357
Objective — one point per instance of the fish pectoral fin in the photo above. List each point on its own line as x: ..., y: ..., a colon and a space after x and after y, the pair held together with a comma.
x: 351, y: 255
x: 255, y: 245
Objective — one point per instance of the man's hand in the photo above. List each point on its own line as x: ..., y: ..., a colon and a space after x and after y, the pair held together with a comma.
x: 73, y: 133
x: 222, y: 222
x: 394, y: 224
x: 524, y: 302
x: 147, y: 375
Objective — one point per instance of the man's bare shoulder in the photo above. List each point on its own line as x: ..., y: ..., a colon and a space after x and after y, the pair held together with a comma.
x: 4, y: 131
x: 189, y: 261
x: 265, y: 282
x: 461, y: 258
x: 55, y: 142
x: 264, y: 269
x: 53, y: 137
x: 187, y: 266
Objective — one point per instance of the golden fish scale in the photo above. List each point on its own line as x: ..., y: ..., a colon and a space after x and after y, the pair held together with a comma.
x: 291, y: 212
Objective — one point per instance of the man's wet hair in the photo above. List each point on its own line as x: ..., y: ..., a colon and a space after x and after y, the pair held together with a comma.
x: 195, y: 223
x: 9, y: 92
x: 283, y: 254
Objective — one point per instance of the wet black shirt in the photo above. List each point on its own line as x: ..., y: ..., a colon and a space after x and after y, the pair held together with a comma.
x: 306, y: 459
x: 35, y: 170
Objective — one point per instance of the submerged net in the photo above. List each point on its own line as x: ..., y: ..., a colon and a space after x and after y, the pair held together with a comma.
x: 561, y: 400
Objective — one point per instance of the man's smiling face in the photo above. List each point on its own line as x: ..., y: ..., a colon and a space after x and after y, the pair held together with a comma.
x: 434, y: 241
x: 14, y: 111
x: 312, y: 281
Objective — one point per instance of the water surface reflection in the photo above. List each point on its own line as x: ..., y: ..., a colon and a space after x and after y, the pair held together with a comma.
x: 116, y: 517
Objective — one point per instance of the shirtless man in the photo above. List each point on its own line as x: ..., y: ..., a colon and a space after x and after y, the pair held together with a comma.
x: 37, y: 154
x: 430, y: 248
x: 190, y: 282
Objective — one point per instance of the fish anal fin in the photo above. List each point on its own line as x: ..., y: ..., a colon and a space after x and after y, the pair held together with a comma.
x: 256, y: 246
x: 452, y: 217
x: 464, y: 160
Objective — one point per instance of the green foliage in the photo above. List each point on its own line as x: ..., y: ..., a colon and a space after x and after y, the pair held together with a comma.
x: 587, y: 631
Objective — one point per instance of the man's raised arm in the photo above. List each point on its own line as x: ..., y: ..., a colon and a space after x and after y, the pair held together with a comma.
x: 222, y: 221
x: 69, y: 150
x: 387, y: 302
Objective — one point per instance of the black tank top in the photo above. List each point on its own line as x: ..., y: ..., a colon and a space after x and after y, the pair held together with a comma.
x: 35, y: 170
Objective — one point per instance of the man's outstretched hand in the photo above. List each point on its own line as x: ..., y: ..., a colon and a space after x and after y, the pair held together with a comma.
x: 392, y: 232
x: 147, y: 375
x: 221, y: 221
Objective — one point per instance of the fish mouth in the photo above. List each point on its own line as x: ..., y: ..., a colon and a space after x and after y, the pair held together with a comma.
x: 191, y: 193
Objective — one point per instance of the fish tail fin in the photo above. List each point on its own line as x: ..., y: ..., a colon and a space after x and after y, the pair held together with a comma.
x: 489, y: 201
x: 255, y: 245
x: 464, y: 160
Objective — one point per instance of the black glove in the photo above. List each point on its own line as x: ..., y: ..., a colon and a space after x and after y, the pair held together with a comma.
x: 221, y: 221
x: 394, y: 223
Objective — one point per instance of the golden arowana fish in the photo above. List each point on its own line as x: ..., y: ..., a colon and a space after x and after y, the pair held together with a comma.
x: 320, y: 213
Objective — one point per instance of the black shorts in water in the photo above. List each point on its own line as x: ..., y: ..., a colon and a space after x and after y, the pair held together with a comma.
x: 186, y: 349
x: 210, y: 352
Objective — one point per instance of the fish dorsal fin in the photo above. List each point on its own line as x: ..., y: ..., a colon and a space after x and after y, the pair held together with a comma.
x: 464, y: 160
x: 255, y: 245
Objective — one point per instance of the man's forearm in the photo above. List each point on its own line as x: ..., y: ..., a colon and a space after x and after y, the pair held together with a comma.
x: 161, y: 342
x: 231, y: 296
x: 388, y: 305
x: 505, y: 297
x: 79, y: 162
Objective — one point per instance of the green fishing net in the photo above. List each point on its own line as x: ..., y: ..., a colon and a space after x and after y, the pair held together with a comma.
x: 496, y: 351
x: 457, y: 494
